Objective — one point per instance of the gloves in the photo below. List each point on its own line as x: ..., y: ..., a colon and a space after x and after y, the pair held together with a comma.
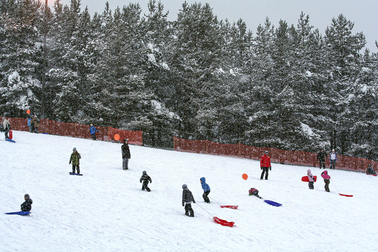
x: 270, y: 168
x: 194, y: 201
x: 69, y: 162
x: 261, y: 168
x: 182, y: 204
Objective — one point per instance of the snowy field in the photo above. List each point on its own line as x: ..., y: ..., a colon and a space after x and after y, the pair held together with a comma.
x: 106, y: 210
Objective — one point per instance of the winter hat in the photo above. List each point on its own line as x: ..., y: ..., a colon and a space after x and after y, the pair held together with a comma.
x: 266, y: 152
x: 26, y: 196
x: 309, y: 171
x: 144, y: 172
x: 184, y: 186
x: 74, y: 149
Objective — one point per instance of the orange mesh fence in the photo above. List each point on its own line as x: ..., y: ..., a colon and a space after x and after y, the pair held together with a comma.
x: 76, y: 130
x: 276, y: 155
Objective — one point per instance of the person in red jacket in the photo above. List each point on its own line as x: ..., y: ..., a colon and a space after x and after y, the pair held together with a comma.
x: 265, y: 165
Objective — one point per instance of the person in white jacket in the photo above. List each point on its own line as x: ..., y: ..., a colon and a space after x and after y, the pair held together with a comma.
x: 6, y: 127
x: 333, y: 159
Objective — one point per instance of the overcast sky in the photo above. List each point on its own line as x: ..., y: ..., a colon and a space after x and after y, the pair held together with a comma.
x: 363, y: 13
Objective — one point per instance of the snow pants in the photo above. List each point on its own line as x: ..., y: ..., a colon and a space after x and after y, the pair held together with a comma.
x: 333, y: 164
x: 76, y: 167
x: 205, y: 197
x: 322, y: 163
x: 125, y: 163
x: 266, y: 171
x: 189, y: 210
x: 145, y: 186
x: 326, y: 186
x: 311, y: 184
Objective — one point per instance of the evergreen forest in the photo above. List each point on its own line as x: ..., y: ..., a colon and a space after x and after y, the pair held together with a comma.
x: 287, y: 86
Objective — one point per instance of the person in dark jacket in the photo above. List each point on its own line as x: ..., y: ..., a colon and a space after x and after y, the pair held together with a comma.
x: 125, y: 154
x: 75, y: 160
x: 370, y: 170
x: 187, y: 199
x: 145, y: 179
x: 206, y: 190
x: 26, y: 206
x: 265, y: 165
x: 321, y: 157
x: 92, y: 131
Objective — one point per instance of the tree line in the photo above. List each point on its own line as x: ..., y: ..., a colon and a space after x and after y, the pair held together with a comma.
x: 287, y: 86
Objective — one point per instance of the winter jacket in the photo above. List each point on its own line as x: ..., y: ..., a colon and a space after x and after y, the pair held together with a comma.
x: 92, y: 130
x: 370, y: 170
x: 145, y: 178
x: 333, y: 156
x: 253, y: 191
x: 204, y: 185
x: 321, y: 156
x: 187, y: 196
x: 310, y: 176
x: 35, y: 122
x: 75, y: 158
x: 265, y: 161
x: 26, y: 206
x: 325, y: 175
x: 125, y: 151
x: 6, y: 125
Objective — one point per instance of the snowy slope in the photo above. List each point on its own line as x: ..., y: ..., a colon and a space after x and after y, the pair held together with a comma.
x: 106, y: 210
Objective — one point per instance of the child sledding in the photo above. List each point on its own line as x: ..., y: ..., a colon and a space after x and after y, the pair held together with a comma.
x: 145, y: 179
x: 255, y: 192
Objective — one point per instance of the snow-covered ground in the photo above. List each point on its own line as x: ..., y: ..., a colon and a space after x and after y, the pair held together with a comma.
x: 106, y: 210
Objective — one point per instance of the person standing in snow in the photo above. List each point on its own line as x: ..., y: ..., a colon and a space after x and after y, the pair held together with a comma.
x: 6, y: 127
x: 145, y: 179
x: 333, y: 159
x: 265, y: 165
x: 92, y: 131
x: 29, y: 124
x: 75, y: 160
x: 35, y: 124
x: 26, y: 206
x: 125, y: 154
x: 206, y: 190
x: 254, y: 192
x: 321, y: 158
x: 326, y: 178
x: 187, y: 199
x: 311, y: 179
x: 370, y: 170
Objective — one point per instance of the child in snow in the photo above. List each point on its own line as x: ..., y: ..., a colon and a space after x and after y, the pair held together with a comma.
x: 75, y: 160
x: 206, y: 190
x: 26, y: 206
x: 92, y: 131
x: 326, y: 178
x: 311, y: 179
x: 187, y: 198
x: 370, y: 170
x: 254, y: 192
x: 145, y: 178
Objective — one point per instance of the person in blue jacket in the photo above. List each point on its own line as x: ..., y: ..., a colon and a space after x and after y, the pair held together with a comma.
x: 206, y: 190
x: 29, y: 124
x: 92, y: 131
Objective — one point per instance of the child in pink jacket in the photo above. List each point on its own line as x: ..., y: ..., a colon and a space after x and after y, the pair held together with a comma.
x: 311, y: 179
x: 326, y: 178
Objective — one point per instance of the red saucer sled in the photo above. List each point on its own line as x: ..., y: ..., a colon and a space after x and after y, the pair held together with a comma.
x: 305, y: 178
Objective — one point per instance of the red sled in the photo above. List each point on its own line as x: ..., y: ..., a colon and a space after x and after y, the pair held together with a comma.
x: 372, y: 174
x: 232, y: 207
x: 10, y: 135
x: 305, y: 178
x: 223, y: 222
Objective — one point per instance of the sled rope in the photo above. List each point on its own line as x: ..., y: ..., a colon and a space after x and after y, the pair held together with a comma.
x: 205, y: 210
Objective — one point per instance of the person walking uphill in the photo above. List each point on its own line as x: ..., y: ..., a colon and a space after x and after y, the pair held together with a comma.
x: 326, y: 178
x: 206, y: 190
x: 265, y: 165
x: 92, y: 131
x: 311, y: 179
x: 321, y: 158
x: 187, y: 198
x: 145, y: 179
x: 75, y: 160
x: 125, y: 154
